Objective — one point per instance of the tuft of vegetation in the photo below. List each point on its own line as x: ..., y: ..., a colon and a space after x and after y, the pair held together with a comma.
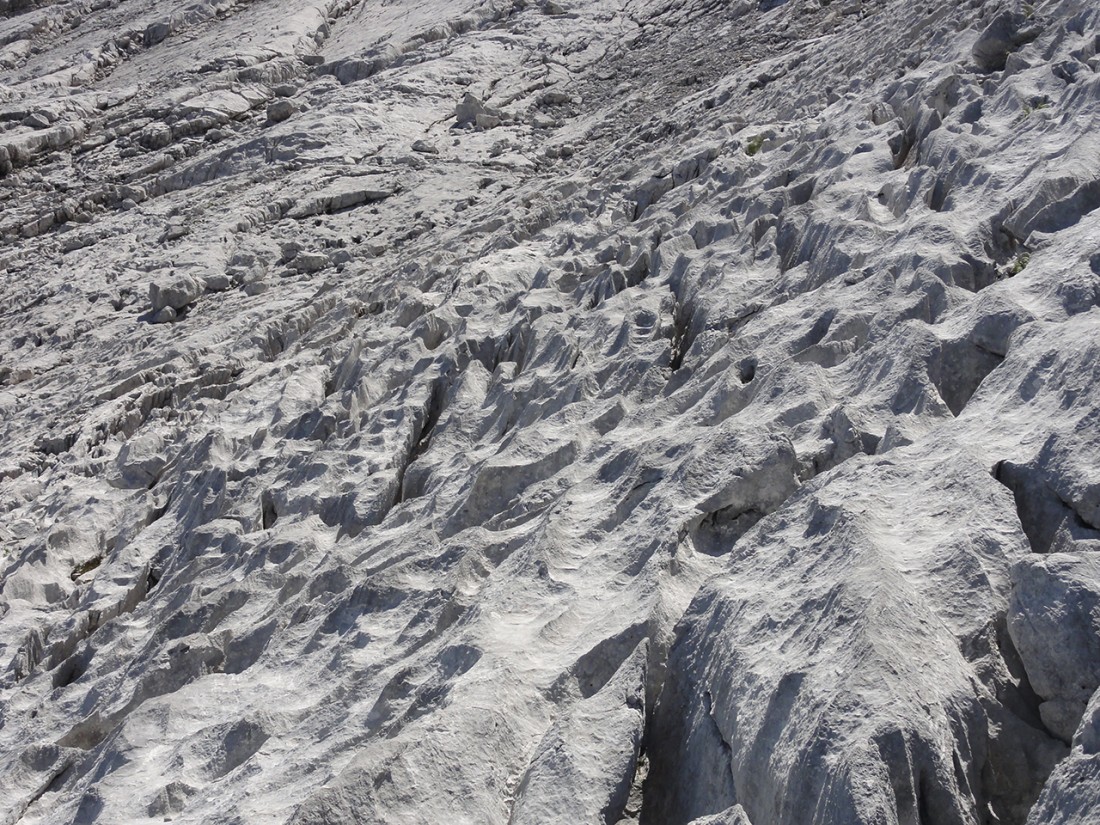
x: 1019, y: 264
x: 754, y: 144
x: 1036, y: 104
x: 85, y: 567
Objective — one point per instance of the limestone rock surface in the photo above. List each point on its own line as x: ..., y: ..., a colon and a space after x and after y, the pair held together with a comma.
x: 641, y: 412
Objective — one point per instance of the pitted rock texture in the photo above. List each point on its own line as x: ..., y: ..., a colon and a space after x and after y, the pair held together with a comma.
x: 514, y: 411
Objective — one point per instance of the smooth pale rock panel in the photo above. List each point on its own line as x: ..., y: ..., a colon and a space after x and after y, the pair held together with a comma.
x: 1009, y: 30
x: 849, y: 667
x: 140, y: 462
x: 584, y: 765
x: 1054, y: 621
x: 1045, y: 431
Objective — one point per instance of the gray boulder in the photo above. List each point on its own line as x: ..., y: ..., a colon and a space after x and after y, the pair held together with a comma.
x: 177, y: 290
x: 281, y: 109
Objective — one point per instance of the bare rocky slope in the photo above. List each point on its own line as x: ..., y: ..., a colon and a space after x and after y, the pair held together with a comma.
x: 557, y: 411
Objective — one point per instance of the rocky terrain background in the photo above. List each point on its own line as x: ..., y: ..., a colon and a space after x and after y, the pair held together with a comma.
x: 577, y: 411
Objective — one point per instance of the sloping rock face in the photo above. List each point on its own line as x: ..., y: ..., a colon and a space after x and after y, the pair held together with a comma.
x: 499, y: 411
